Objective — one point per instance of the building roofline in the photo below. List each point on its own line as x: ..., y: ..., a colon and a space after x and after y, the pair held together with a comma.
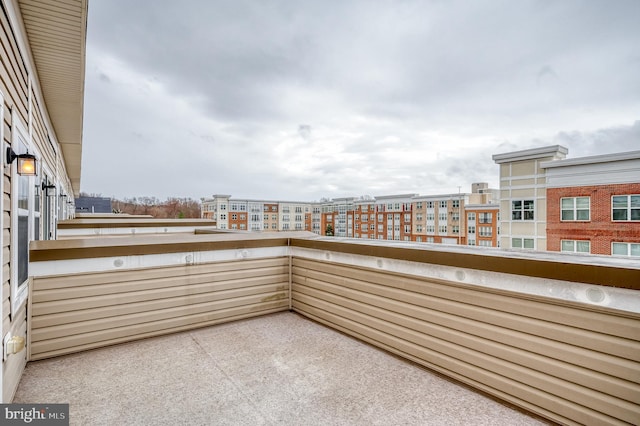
x: 530, y: 154
x: 605, y: 158
x: 390, y: 197
x: 451, y: 195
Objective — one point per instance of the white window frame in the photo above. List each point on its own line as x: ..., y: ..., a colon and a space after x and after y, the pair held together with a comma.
x: 628, y: 208
x: 20, y: 291
x: 522, y: 241
x: 574, y: 246
x: 628, y: 245
x: 574, y: 210
x: 523, y: 211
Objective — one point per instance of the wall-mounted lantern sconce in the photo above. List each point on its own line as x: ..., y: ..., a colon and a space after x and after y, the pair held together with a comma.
x: 48, y: 189
x: 26, y: 162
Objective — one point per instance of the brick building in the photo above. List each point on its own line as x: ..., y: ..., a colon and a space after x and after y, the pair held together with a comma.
x: 593, y: 204
x: 580, y: 205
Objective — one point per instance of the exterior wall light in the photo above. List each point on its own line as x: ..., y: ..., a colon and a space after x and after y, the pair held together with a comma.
x: 26, y: 162
x: 48, y: 189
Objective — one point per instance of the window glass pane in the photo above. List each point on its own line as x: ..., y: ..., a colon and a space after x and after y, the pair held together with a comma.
x: 635, y: 249
x: 583, y: 214
x: 516, y: 242
x: 582, y: 202
x: 516, y: 205
x: 528, y: 243
x: 620, y: 201
x: 635, y: 201
x: 635, y: 214
x: 23, y: 192
x: 619, y: 214
x: 583, y: 246
x: 567, y: 203
x: 528, y: 204
x: 567, y: 245
x: 567, y: 214
x: 620, y: 249
x: 528, y: 215
x: 23, y: 248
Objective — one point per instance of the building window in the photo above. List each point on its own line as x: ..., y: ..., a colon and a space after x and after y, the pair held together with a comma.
x: 443, y: 204
x: 472, y: 242
x: 442, y: 217
x: 574, y: 208
x: 471, y: 217
x: 485, y: 217
x: 522, y: 209
x: 485, y: 243
x: 418, y: 228
x: 455, y: 204
x: 485, y: 231
x: 431, y: 229
x: 419, y: 205
x: 372, y: 227
x: 455, y: 229
x: 418, y: 239
x: 574, y: 246
x: 431, y: 216
x: 431, y: 239
x: 429, y: 204
x: 442, y: 229
x: 472, y: 230
x: 626, y: 207
x: 407, y: 229
x: 625, y: 249
x: 234, y: 216
x: 526, y: 243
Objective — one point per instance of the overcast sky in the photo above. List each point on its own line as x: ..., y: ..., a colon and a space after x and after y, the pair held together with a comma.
x: 298, y: 100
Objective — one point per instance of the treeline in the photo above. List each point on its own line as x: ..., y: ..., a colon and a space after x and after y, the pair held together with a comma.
x: 171, y: 208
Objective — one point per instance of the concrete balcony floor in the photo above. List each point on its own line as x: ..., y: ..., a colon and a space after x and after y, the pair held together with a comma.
x: 275, y: 369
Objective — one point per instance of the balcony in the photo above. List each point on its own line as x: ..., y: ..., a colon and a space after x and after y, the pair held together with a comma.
x: 226, y: 325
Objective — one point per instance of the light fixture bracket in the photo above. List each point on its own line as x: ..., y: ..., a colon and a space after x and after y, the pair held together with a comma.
x: 26, y: 162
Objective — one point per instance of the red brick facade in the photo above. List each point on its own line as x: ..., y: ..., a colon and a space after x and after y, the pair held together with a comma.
x: 600, y: 229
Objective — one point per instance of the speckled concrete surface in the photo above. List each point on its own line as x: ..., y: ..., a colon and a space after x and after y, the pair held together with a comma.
x: 276, y: 369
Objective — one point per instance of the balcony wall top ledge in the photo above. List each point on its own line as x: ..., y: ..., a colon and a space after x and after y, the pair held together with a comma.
x: 132, y: 222
x: 87, y: 248
x: 587, y: 269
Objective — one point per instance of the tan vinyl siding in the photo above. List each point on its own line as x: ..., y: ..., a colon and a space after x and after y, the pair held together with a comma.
x: 570, y: 363
x: 79, y: 312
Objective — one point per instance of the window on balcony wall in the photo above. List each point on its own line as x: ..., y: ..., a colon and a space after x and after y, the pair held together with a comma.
x: 574, y: 208
x: 575, y: 246
x: 625, y: 207
x: 471, y: 217
x: 522, y: 209
x: 524, y: 243
x: 625, y: 249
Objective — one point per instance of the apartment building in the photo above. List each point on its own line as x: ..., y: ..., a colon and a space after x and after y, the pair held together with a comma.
x: 580, y: 205
x: 523, y: 193
x: 257, y: 215
x: 364, y: 220
x: 593, y: 204
x: 393, y: 217
x: 482, y: 227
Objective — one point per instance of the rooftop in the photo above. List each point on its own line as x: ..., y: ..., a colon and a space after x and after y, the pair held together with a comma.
x: 276, y: 369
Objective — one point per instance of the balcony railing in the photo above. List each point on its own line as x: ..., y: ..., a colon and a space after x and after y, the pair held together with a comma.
x: 554, y: 334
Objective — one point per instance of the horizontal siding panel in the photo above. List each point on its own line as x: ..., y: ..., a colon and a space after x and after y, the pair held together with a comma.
x: 80, y: 280
x: 483, y: 322
x: 244, y: 313
x: 87, y: 313
x: 177, y: 288
x: 121, y: 321
x: 145, y: 282
x: 577, y: 365
x: 446, y: 295
x: 502, y: 387
x: 486, y: 354
x: 91, y: 310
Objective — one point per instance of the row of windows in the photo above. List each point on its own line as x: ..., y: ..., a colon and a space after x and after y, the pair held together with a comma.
x: 617, y: 249
x: 623, y: 208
